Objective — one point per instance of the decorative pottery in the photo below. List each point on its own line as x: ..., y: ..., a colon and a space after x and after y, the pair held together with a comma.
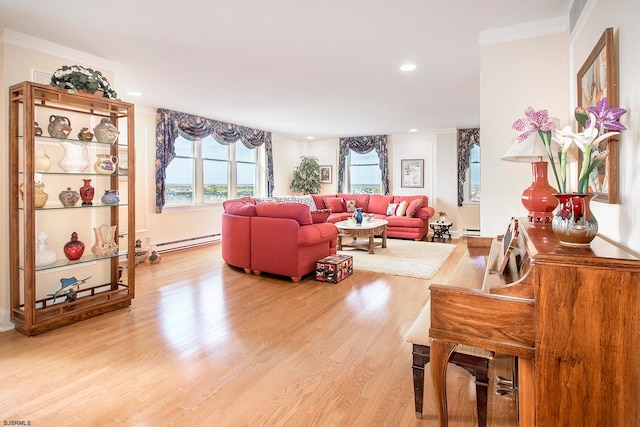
x: 141, y: 254
x: 358, y: 216
x: 43, y: 162
x: 40, y: 196
x: 76, y: 156
x: 86, y: 193
x: 442, y: 218
x: 74, y: 248
x: 154, y: 258
x: 69, y: 197
x: 105, y: 240
x: 105, y: 131
x: 573, y: 223
x: 43, y: 255
x: 85, y: 135
x: 106, y: 164
x: 111, y: 197
x: 59, y: 126
x: 37, y: 129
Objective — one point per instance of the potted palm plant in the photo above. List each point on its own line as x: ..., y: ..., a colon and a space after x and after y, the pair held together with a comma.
x: 306, y: 177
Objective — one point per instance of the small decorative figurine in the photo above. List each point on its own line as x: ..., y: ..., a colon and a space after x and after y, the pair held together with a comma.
x: 154, y: 258
x: 67, y: 285
x: 85, y: 135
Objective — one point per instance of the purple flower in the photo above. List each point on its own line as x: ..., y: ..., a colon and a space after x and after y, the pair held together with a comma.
x: 535, y: 121
x: 607, y: 117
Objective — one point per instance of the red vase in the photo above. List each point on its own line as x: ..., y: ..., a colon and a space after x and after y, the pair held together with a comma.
x: 539, y: 197
x: 86, y: 193
x: 573, y: 223
x: 74, y: 248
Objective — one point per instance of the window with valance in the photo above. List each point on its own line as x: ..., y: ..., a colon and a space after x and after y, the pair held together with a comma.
x: 171, y: 124
x: 364, y: 145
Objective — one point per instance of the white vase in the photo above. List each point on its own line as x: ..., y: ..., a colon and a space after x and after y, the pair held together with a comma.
x: 43, y: 255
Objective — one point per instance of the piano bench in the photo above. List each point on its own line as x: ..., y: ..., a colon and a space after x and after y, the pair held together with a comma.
x: 473, y: 360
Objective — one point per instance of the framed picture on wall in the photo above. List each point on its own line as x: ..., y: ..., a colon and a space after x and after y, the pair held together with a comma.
x: 412, y: 171
x: 596, y: 80
x: 326, y: 172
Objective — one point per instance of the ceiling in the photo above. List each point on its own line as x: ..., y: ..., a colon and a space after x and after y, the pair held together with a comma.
x: 326, y: 68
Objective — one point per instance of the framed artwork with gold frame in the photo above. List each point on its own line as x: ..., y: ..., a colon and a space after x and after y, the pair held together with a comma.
x: 596, y: 80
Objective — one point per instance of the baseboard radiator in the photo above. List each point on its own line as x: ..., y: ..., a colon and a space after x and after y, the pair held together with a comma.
x: 470, y: 232
x: 187, y: 243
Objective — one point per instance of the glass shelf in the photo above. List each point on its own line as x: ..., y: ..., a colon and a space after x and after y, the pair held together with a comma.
x: 95, y: 205
x: 64, y: 262
x: 51, y: 139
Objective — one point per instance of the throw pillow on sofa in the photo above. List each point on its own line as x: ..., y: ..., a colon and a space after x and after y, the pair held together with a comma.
x: 401, y: 210
x: 391, y: 209
x: 336, y: 204
x: 351, y: 205
x: 414, y: 207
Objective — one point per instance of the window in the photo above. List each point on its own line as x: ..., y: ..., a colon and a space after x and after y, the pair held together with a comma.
x: 364, y: 173
x: 472, y: 181
x: 205, y: 171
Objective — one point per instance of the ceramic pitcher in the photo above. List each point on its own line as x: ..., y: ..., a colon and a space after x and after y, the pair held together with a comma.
x: 106, y: 164
x: 75, y: 157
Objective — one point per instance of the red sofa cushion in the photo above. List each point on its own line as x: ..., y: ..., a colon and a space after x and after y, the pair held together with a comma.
x: 378, y: 204
x: 336, y: 204
x: 319, y: 200
x: 296, y: 211
x: 239, y: 207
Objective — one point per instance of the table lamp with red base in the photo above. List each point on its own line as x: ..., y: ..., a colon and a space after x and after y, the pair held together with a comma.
x: 538, y: 198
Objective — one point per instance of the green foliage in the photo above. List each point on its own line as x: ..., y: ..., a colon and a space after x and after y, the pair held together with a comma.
x: 79, y: 77
x: 306, y: 177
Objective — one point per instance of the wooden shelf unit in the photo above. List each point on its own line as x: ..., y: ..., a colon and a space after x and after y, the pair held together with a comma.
x: 33, y: 309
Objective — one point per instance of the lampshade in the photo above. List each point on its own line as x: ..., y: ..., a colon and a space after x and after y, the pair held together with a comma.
x: 530, y: 150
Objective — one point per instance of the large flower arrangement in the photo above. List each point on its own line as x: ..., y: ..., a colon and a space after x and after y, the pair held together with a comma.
x: 597, y: 120
x: 82, y: 78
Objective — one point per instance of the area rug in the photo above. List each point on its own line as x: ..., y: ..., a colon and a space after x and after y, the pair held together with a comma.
x: 402, y: 258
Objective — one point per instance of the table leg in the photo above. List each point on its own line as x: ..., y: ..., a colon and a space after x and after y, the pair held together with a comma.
x: 384, y: 237
x: 371, y: 243
x: 339, y: 242
x: 440, y: 353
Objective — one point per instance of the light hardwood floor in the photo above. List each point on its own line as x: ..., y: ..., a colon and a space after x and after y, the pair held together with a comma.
x: 205, y: 344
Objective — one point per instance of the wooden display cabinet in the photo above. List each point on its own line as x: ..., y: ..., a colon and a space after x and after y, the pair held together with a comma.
x: 111, y: 278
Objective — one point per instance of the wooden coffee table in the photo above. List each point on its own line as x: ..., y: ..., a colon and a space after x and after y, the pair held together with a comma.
x: 368, y: 229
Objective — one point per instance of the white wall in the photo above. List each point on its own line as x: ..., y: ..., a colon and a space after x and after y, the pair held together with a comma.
x: 619, y: 222
x: 513, y: 76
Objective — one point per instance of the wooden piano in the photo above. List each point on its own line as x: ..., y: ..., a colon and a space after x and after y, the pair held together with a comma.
x: 571, y: 317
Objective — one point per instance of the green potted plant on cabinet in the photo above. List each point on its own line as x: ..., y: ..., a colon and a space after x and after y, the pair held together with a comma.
x: 306, y: 177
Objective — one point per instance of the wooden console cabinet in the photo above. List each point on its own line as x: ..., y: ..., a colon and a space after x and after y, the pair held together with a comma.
x: 570, y: 315
x: 110, y: 280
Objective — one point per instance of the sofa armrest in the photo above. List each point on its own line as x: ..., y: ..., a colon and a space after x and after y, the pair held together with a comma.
x: 425, y: 213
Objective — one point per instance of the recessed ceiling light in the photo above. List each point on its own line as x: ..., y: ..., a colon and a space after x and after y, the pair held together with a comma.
x: 413, y: 130
x: 309, y: 137
x: 408, y: 67
x: 133, y: 93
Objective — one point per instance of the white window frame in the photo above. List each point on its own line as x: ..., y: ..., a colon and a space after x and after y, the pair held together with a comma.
x: 232, y: 179
x: 348, y: 171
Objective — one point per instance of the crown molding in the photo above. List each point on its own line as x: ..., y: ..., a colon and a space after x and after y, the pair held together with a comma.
x: 524, y: 31
x: 16, y: 38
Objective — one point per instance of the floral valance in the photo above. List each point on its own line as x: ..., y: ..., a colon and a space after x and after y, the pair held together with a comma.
x: 171, y: 124
x: 467, y: 138
x: 364, y: 145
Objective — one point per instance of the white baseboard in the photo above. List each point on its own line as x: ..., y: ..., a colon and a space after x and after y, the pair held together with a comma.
x: 5, y: 320
x: 186, y: 243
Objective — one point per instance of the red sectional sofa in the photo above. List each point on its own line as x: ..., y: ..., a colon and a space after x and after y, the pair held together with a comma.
x: 413, y: 223
x: 278, y: 238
